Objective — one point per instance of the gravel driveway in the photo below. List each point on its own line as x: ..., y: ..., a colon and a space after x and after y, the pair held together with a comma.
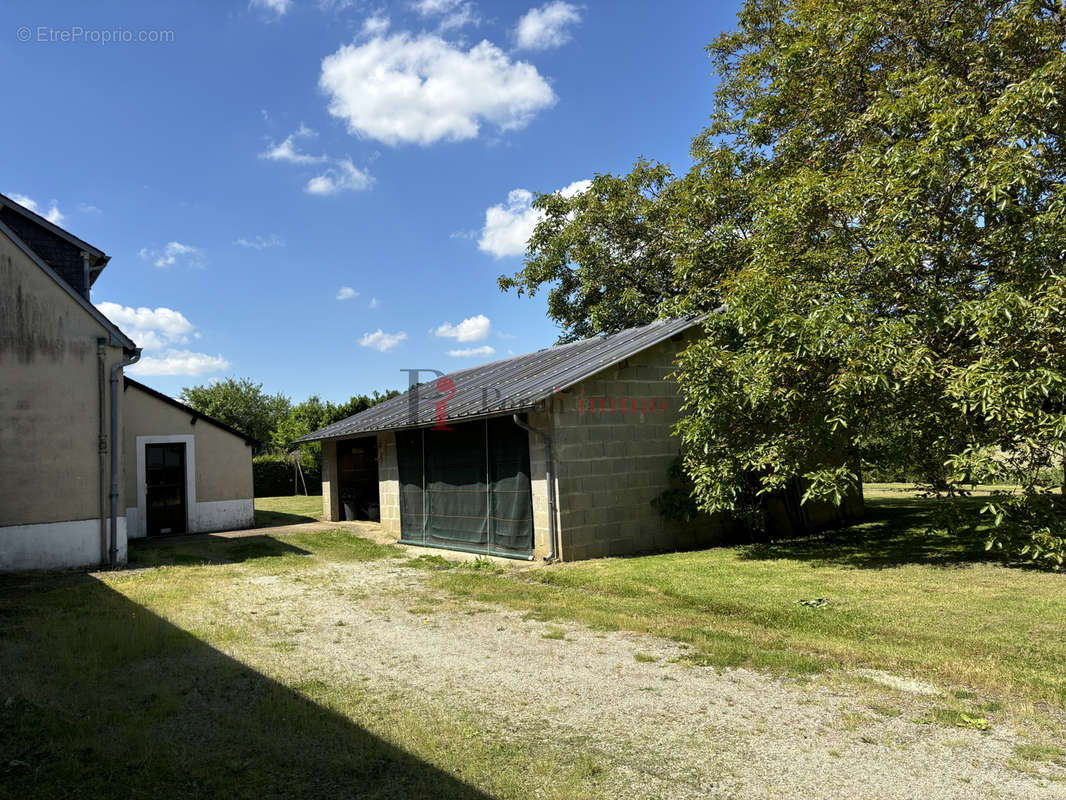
x: 658, y: 728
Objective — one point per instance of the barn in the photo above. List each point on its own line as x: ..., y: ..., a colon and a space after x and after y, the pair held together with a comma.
x: 555, y: 454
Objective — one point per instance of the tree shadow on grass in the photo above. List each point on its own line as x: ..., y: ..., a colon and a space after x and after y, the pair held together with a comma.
x: 207, y: 549
x: 892, y: 533
x: 100, y: 697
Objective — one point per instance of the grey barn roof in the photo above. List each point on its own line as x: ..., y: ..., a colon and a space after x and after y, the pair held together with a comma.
x: 507, y: 386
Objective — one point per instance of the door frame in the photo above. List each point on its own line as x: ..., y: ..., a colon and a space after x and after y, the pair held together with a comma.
x: 190, y: 479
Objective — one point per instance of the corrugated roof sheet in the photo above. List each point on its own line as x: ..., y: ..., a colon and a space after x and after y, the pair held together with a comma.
x: 507, y: 386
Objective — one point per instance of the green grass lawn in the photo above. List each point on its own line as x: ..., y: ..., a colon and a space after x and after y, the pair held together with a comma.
x: 273, y: 511
x: 103, y: 694
x: 146, y: 679
x: 886, y: 594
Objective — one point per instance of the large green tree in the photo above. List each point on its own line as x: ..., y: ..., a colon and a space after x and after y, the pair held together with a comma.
x: 878, y: 205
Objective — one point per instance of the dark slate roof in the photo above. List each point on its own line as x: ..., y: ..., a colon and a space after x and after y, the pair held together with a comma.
x: 507, y: 386
x: 58, y: 248
x: 188, y: 410
x: 117, y: 337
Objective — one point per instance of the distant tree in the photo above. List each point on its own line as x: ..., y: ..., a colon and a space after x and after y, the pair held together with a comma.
x: 302, y: 419
x: 241, y: 403
x: 313, y: 414
x: 354, y: 405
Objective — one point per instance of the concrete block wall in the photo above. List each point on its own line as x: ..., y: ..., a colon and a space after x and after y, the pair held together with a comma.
x: 614, y: 448
x: 389, y: 483
x: 331, y: 503
x: 538, y: 476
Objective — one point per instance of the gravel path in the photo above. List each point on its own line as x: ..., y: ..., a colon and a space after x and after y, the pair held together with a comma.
x: 658, y: 727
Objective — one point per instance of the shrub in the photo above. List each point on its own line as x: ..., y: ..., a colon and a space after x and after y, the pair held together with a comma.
x: 273, y: 476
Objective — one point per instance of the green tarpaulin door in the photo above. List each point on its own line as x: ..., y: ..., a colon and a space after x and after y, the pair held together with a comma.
x: 467, y: 488
x: 412, y: 495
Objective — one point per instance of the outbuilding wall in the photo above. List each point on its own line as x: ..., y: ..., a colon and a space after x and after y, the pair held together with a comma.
x: 614, y: 449
x: 389, y: 483
x: 50, y: 422
x: 219, y: 462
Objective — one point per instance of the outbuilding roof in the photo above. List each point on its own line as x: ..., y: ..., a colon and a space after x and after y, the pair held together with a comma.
x: 506, y: 386
x: 192, y: 412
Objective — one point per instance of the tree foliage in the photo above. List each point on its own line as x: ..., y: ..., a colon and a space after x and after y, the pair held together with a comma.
x: 242, y: 404
x: 879, y: 206
x: 273, y: 419
x: 312, y: 414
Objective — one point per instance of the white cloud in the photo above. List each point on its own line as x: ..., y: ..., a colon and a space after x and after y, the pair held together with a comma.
x: 471, y: 329
x: 172, y: 253
x: 88, y: 208
x: 260, y: 242
x: 375, y: 25
x: 278, y: 7
x: 150, y: 328
x: 178, y: 362
x: 470, y: 352
x: 422, y: 89
x: 462, y: 16
x: 347, y: 293
x: 428, y: 8
x: 381, y: 341
x: 53, y: 214
x: 344, y: 176
x: 546, y: 27
x: 575, y: 188
x: 340, y: 176
x: 509, y: 225
x: 287, y: 151
x: 373, y: 303
x: 158, y: 331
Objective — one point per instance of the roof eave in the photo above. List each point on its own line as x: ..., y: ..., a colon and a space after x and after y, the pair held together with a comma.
x: 128, y: 381
x: 313, y: 437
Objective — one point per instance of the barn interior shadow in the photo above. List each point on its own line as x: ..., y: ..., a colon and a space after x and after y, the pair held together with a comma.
x: 101, y: 698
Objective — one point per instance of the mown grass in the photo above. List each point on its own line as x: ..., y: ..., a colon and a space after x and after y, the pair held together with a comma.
x: 898, y: 597
x: 273, y: 511
x: 146, y: 684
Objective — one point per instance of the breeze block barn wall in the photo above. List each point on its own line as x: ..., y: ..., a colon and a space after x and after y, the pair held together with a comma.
x: 614, y: 448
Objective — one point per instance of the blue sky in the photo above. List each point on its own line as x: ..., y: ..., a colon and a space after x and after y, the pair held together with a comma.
x: 317, y: 195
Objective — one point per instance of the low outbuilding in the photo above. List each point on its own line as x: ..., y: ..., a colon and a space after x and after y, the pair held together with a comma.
x: 555, y: 454
x: 187, y: 472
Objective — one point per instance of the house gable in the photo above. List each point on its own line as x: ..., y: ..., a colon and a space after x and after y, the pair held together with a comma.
x: 75, y: 261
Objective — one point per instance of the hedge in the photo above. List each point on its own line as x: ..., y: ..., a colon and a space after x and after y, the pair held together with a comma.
x: 272, y: 476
